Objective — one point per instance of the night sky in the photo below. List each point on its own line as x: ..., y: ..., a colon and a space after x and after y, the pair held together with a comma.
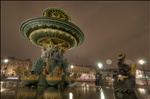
x: 109, y: 27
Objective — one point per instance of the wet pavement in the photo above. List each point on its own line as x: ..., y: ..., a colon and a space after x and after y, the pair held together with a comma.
x: 80, y: 90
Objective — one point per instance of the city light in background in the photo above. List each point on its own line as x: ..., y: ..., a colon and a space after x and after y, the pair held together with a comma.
x: 72, y: 66
x: 142, y: 62
x: 6, y: 60
x: 100, y: 65
x: 5, y: 68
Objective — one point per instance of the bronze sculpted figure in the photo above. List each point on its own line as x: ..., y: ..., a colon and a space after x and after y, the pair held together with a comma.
x: 124, y: 79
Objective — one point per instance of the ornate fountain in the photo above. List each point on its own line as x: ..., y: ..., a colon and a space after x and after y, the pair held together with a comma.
x: 54, y: 34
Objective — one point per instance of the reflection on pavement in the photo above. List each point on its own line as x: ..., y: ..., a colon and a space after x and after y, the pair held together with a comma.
x: 89, y: 91
x: 142, y: 91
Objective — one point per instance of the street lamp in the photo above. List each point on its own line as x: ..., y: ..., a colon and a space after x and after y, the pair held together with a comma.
x: 6, y: 60
x: 72, y: 68
x: 142, y: 64
x: 100, y: 65
x: 5, y: 68
x: 98, y: 75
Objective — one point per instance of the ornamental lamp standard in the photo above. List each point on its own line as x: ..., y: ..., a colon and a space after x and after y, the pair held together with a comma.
x: 72, y: 68
x: 5, y: 68
x: 100, y: 65
x: 6, y: 60
x: 142, y: 62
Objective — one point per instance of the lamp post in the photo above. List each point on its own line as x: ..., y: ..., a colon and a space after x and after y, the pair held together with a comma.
x: 72, y: 68
x: 6, y: 60
x: 5, y: 68
x: 142, y: 64
x: 98, y: 75
x: 100, y: 65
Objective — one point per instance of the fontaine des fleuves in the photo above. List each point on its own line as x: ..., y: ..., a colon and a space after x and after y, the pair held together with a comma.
x: 54, y: 34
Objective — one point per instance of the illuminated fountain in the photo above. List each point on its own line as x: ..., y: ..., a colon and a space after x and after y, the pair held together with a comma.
x: 54, y: 34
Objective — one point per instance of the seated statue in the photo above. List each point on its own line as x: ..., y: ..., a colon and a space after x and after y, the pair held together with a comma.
x: 123, y: 68
x: 124, y: 78
x: 41, y: 65
x: 51, y: 57
x: 37, y: 66
x: 64, y: 66
x: 57, y: 59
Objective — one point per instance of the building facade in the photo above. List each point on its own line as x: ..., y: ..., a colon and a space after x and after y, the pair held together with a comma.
x: 87, y: 72
x: 8, y: 67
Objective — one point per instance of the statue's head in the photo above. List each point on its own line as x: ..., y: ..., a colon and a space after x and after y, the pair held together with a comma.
x: 121, y: 57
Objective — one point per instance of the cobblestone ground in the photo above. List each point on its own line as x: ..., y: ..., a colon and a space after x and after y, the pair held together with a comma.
x: 79, y: 90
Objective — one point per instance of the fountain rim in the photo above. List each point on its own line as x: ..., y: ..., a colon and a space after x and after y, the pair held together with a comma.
x: 50, y: 19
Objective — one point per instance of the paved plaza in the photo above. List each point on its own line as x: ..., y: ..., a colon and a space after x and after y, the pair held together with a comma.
x: 80, y: 90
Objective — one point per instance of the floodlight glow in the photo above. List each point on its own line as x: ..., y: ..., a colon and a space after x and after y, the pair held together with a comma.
x: 6, y: 60
x: 72, y: 66
x: 100, y: 65
x: 141, y: 62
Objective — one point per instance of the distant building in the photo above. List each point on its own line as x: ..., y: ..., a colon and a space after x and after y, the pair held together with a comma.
x: 87, y: 72
x: 142, y: 79
x: 7, y: 68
